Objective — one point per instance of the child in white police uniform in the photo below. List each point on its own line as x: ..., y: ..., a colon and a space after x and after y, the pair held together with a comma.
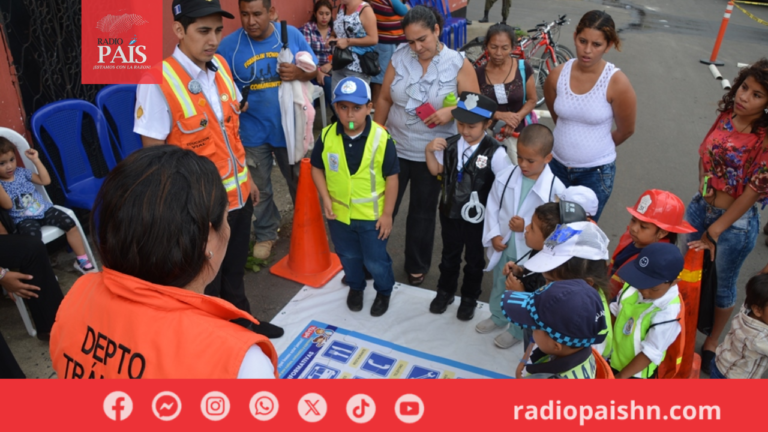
x: 567, y: 318
x: 647, y: 311
x: 516, y: 193
x: 467, y: 163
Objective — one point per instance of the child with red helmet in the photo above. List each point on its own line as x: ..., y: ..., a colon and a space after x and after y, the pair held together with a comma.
x: 656, y: 217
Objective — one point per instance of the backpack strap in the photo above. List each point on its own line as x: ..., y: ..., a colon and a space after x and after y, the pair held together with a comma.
x: 521, y: 67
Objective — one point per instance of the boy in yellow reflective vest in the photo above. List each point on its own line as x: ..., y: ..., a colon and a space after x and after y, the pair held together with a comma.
x: 647, y: 311
x: 355, y: 170
x: 567, y: 318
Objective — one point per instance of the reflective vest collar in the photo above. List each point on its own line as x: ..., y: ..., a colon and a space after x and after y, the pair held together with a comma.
x: 167, y: 298
x: 194, y: 72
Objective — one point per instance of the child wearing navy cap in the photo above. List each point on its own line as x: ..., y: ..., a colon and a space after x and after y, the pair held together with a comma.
x: 647, y: 311
x: 355, y: 170
x: 467, y: 163
x: 567, y: 318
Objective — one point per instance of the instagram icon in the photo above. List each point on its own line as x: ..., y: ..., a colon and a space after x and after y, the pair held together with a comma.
x: 215, y: 406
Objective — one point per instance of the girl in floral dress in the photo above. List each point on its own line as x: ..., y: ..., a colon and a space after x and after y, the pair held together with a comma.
x: 734, y: 165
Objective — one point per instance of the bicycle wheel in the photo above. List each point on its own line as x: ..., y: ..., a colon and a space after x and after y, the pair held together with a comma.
x: 563, y: 51
x: 540, y: 75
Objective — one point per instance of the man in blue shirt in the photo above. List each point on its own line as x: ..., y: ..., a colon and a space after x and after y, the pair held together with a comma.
x: 252, y: 54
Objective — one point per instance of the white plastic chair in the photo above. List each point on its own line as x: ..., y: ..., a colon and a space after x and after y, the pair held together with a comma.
x: 50, y: 233
x: 320, y: 94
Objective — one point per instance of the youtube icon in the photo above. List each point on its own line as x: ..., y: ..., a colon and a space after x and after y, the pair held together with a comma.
x: 409, y: 408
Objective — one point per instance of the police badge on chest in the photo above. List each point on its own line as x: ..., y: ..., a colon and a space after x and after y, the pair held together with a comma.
x: 481, y: 161
x: 333, y: 162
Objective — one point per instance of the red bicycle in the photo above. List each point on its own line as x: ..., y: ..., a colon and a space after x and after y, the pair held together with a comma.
x: 540, y: 48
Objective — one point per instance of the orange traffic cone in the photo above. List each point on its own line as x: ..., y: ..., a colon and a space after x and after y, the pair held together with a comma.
x: 690, y: 292
x: 309, y: 261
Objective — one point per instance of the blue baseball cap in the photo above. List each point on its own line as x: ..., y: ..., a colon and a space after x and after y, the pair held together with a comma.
x: 570, y: 311
x: 352, y: 89
x: 656, y: 264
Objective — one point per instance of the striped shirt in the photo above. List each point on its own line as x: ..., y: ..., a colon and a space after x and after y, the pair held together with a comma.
x: 388, y: 22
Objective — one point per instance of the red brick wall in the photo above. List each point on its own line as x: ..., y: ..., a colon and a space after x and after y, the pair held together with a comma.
x: 11, y: 109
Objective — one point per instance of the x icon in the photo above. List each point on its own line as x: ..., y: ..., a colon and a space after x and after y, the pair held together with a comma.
x: 312, y: 407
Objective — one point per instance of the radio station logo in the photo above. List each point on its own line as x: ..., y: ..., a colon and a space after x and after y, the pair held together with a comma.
x: 120, y: 44
x: 116, y: 51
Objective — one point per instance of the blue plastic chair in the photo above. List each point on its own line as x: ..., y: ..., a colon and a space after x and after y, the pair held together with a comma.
x: 63, y: 122
x: 458, y: 26
x: 117, y: 103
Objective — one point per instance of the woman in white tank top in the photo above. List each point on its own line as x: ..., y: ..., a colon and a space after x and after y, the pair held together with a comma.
x: 585, y: 96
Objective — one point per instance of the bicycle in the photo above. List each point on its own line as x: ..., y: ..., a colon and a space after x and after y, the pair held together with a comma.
x: 544, y: 37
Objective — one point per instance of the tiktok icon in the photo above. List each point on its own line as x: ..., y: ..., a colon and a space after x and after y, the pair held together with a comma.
x: 361, y: 408
x: 118, y: 406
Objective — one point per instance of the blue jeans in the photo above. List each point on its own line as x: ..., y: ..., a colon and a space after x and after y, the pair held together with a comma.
x: 599, y: 179
x: 259, y: 160
x: 385, y: 54
x: 733, y: 246
x: 358, y: 245
x: 714, y: 372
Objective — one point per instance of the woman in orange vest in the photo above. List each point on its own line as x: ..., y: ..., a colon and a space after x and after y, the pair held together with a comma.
x: 160, y: 226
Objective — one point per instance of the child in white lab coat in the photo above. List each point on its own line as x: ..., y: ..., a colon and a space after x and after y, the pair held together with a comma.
x: 516, y: 192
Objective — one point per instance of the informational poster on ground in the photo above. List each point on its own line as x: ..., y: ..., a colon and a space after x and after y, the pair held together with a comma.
x: 326, y: 351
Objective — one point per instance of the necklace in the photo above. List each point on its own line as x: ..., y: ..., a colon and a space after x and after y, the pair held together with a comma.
x: 738, y: 129
x: 504, y: 81
x: 253, y: 52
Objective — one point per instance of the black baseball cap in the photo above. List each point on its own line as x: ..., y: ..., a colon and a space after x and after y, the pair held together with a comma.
x: 198, y: 9
x: 474, y: 108
x: 656, y: 264
x: 570, y: 311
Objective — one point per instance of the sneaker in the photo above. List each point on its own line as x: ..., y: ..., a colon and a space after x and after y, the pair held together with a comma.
x: 488, y: 325
x: 267, y: 329
x: 355, y: 300
x: 262, y: 250
x: 380, y: 305
x: 84, y: 266
x: 466, y: 309
x: 505, y: 340
x: 441, y: 302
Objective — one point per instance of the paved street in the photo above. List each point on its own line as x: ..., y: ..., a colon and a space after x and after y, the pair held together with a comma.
x: 662, y: 43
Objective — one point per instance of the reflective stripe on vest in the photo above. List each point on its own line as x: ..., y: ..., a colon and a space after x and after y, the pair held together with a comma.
x: 179, y: 89
x: 227, y: 80
x: 230, y: 184
x: 606, y: 347
x: 340, y: 181
x: 642, y: 314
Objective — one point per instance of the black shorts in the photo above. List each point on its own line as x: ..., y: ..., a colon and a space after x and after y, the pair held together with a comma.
x: 52, y: 217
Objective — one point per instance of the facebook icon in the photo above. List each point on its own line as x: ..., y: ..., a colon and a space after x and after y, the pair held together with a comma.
x: 118, y: 406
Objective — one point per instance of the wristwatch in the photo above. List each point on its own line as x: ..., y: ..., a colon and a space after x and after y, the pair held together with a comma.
x: 3, y: 271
